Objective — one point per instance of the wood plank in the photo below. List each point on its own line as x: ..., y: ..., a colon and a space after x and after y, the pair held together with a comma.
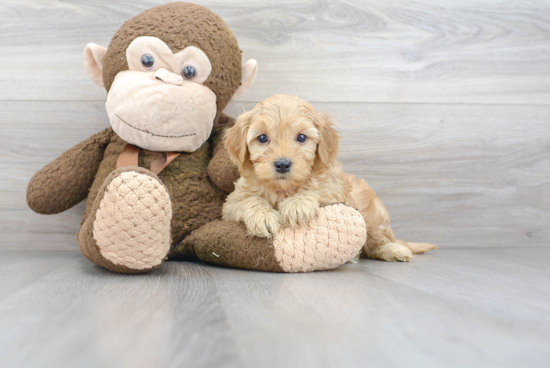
x: 503, y: 271
x: 432, y: 312
x: 454, y: 175
x: 82, y: 315
x: 339, y: 51
x: 452, y: 308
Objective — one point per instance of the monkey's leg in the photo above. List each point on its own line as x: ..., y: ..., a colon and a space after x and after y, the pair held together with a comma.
x: 128, y: 229
x: 330, y: 240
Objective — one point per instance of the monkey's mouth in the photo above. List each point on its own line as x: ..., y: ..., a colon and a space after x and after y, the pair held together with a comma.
x: 154, y: 134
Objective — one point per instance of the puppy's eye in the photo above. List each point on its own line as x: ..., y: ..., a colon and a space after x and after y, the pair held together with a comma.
x: 262, y: 138
x: 148, y: 61
x: 301, y: 138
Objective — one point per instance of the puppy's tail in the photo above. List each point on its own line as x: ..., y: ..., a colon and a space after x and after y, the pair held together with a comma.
x: 418, y: 248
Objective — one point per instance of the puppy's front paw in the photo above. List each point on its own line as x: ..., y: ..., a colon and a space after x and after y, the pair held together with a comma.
x: 298, y: 211
x: 263, y: 224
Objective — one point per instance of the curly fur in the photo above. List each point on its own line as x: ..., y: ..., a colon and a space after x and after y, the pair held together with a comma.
x: 265, y: 200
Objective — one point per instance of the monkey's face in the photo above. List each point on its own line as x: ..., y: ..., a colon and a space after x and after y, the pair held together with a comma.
x: 160, y: 103
x: 169, y: 73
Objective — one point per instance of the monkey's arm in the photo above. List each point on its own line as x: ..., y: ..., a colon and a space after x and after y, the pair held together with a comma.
x: 65, y: 181
x: 221, y: 170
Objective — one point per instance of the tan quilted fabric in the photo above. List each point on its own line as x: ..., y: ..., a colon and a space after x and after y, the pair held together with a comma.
x: 332, y: 239
x: 132, y: 225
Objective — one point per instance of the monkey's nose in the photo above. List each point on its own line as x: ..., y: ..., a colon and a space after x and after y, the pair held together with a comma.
x: 282, y: 165
x: 168, y: 77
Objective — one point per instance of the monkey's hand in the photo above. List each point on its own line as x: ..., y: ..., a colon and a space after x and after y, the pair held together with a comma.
x: 221, y: 170
x: 299, y: 209
x: 65, y: 181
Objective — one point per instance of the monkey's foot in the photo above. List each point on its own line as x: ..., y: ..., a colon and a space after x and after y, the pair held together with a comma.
x: 128, y: 230
x: 331, y: 239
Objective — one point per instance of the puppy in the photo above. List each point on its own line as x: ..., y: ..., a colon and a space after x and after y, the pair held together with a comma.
x: 286, y: 153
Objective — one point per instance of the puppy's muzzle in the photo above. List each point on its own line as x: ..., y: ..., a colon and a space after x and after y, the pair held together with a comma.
x: 282, y: 165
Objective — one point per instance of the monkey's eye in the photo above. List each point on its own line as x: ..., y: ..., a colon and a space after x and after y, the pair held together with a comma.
x: 262, y: 138
x: 301, y: 138
x: 148, y: 61
x: 188, y: 72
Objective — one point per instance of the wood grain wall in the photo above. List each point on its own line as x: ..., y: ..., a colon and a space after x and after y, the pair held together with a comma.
x: 444, y: 106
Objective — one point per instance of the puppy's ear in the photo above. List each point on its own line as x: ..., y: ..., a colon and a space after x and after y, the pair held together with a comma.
x: 235, y: 142
x: 329, y: 140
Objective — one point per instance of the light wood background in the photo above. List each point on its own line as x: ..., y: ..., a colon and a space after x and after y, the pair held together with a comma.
x: 444, y: 106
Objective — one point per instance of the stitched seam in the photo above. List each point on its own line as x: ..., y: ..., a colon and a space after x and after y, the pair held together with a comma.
x: 156, y: 135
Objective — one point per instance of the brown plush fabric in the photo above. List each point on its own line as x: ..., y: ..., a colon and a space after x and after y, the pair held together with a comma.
x: 180, y: 25
x: 85, y: 236
x: 221, y: 170
x: 197, y: 182
x: 196, y: 200
x: 226, y: 243
x: 64, y: 182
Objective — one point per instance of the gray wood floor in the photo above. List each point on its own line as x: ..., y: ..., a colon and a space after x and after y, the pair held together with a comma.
x: 451, y: 308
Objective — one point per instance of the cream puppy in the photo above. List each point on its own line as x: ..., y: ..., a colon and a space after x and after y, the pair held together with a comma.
x: 286, y: 153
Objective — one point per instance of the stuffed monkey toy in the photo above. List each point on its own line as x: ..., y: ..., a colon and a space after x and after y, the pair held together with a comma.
x: 156, y: 180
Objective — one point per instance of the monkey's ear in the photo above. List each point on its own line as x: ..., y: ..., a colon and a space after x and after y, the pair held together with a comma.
x: 250, y: 69
x: 94, y: 55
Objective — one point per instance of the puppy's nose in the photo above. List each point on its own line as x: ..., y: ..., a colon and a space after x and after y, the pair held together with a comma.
x: 282, y: 165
